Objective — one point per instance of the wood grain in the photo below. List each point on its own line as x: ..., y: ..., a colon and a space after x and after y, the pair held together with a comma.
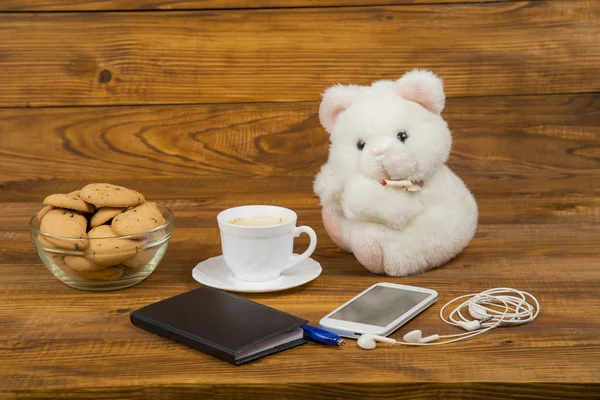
x: 543, y: 244
x: 529, y: 144
x: 346, y: 390
x: 99, y: 5
x: 505, y: 48
x: 534, y: 231
x: 530, y: 154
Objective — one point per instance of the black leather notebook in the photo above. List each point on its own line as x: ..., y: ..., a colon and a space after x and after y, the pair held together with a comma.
x: 221, y: 324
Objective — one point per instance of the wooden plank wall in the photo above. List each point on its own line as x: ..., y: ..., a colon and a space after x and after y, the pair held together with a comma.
x: 515, y: 71
x: 286, y: 55
x: 97, y: 5
x: 184, y: 94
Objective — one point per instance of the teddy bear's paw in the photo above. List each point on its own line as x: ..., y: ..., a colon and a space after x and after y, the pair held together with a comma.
x: 369, y: 252
x: 334, y: 229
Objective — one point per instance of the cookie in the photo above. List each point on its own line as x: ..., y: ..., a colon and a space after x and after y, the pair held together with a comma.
x: 141, y: 259
x: 51, y: 250
x: 68, y: 224
x: 66, y: 269
x: 59, y: 263
x: 105, y: 249
x: 108, y: 274
x: 81, y: 264
x: 43, y: 212
x: 137, y: 220
x: 105, y: 214
x: 44, y: 242
x: 107, y: 195
x: 68, y: 201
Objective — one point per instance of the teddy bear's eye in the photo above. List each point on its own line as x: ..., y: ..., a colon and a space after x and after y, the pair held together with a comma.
x: 402, y: 136
x: 360, y: 144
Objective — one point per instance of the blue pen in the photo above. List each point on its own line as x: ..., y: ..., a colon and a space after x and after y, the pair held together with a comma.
x: 322, y: 336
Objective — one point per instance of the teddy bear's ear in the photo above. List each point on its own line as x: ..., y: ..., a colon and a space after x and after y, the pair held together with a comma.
x: 335, y: 100
x: 422, y: 87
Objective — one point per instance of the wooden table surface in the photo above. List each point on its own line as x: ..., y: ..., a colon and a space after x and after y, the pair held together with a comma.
x: 207, y: 104
x: 539, y: 231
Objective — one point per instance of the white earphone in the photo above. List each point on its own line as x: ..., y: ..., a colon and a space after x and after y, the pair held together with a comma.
x: 491, y: 309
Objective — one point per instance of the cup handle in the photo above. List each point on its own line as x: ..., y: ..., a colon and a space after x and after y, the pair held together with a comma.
x: 296, y: 259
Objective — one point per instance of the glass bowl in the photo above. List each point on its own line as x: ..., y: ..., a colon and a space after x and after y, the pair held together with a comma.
x: 102, y: 264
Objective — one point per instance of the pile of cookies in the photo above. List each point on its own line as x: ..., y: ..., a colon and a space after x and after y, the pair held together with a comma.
x: 89, y: 224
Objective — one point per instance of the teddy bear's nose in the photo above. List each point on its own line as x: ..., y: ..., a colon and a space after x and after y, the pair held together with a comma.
x: 378, y: 151
x: 380, y: 145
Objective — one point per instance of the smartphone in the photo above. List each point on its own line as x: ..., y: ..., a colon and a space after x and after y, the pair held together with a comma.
x: 380, y: 310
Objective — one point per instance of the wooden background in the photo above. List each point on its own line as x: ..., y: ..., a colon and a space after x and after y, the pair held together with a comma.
x: 207, y: 104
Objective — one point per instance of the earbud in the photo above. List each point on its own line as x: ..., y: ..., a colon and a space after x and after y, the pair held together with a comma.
x: 490, y: 309
x: 417, y: 337
x: 368, y: 341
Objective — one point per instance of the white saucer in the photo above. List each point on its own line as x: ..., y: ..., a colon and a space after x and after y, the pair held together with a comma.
x: 215, y: 273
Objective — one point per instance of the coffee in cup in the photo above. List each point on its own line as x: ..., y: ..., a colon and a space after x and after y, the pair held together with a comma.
x: 258, y: 221
x: 258, y: 241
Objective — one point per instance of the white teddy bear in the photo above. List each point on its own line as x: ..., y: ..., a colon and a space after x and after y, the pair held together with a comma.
x: 387, y: 195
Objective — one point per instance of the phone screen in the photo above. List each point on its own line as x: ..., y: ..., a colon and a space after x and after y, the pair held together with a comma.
x: 380, y: 306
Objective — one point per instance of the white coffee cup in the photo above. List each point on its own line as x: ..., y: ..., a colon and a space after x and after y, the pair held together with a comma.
x: 262, y: 253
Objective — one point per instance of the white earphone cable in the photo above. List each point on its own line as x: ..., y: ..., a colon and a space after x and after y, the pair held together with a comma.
x: 492, y: 308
